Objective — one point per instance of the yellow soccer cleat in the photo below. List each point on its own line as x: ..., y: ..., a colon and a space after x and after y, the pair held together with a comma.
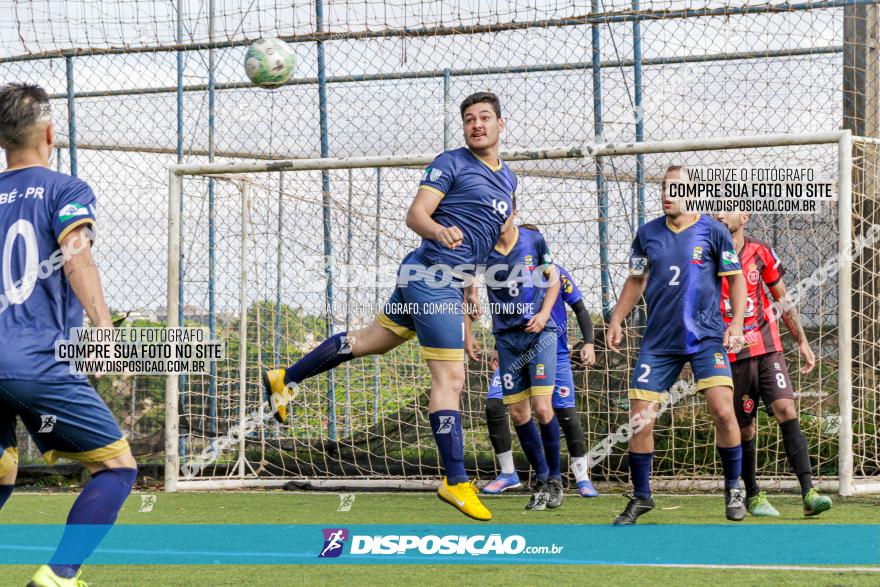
x: 46, y: 577
x: 277, y: 393
x: 464, y: 497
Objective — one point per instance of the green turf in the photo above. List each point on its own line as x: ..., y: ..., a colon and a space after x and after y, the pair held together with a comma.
x: 321, y: 508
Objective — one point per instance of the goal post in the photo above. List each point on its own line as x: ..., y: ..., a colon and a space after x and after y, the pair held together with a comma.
x: 364, y: 425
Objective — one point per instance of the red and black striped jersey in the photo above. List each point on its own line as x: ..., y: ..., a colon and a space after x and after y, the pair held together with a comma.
x: 760, y: 266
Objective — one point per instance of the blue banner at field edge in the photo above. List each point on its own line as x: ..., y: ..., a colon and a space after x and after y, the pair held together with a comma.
x: 722, y: 544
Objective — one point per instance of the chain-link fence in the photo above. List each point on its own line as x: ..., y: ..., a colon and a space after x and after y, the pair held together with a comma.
x: 138, y: 87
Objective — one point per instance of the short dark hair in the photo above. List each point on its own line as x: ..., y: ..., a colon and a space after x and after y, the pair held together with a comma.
x: 482, y: 98
x: 21, y: 106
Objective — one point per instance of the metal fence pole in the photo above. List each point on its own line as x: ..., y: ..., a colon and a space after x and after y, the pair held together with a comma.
x: 447, y: 87
x: 600, y: 176
x: 212, y: 227
x: 640, y: 112
x: 71, y: 114
x: 181, y: 262
x: 327, y: 209
x: 376, y: 294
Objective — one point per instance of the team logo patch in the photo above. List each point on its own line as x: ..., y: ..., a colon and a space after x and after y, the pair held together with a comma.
x: 637, y: 265
x: 719, y: 361
x: 529, y: 262
x: 334, y: 540
x: 47, y: 423
x: 539, y: 371
x: 697, y: 258
x: 72, y: 211
x: 564, y: 391
x: 754, y: 276
x: 567, y: 285
x: 344, y: 346
x: 748, y: 404
x: 729, y: 258
x: 436, y: 174
x: 445, y: 426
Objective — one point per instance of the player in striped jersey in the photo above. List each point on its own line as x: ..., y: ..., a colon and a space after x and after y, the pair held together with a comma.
x: 759, y: 369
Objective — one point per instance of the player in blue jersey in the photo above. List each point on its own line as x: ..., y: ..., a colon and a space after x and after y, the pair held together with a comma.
x: 678, y: 261
x: 49, y: 277
x: 464, y: 198
x: 523, y: 285
x: 563, y: 400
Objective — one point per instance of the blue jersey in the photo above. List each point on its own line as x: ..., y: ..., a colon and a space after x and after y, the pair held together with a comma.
x: 520, y: 282
x: 569, y: 294
x: 38, y: 208
x: 683, y: 293
x: 476, y: 198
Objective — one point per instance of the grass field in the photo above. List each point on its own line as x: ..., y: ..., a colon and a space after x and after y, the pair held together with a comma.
x: 373, y: 508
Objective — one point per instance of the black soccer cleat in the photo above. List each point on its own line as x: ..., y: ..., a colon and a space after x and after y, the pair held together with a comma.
x: 636, y: 507
x: 735, y: 505
x: 540, y: 496
x: 556, y: 494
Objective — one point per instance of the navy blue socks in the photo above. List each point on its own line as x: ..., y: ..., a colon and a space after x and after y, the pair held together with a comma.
x: 329, y: 354
x: 446, y: 427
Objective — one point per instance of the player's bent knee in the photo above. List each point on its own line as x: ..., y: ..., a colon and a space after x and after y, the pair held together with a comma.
x: 747, y: 432
x: 495, y: 409
x: 123, y: 461
x: 520, y: 412
x: 784, y: 410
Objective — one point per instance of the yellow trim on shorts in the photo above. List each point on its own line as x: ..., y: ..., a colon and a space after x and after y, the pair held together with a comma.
x: 437, y: 354
x: 70, y: 227
x: 646, y: 395
x: 389, y: 324
x: 433, y: 190
x: 715, y: 381
x: 734, y: 272
x: 8, y: 460
x: 98, y: 455
x: 516, y: 397
x: 542, y: 390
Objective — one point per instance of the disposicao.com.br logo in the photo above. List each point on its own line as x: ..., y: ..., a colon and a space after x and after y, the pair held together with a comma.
x: 432, y: 544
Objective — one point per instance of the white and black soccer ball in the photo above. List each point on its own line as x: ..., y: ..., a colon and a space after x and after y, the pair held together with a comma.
x: 269, y: 62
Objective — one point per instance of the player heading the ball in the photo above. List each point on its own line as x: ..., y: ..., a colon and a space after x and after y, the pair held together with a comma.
x: 678, y: 261
x: 47, y: 220
x: 464, y: 198
x: 760, y: 372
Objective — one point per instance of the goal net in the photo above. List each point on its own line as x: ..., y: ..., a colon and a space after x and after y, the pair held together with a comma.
x: 275, y: 256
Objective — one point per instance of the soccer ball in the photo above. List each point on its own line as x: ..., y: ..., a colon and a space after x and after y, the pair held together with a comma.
x: 268, y: 62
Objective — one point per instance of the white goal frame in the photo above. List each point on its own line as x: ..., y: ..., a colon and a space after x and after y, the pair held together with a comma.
x: 843, y: 139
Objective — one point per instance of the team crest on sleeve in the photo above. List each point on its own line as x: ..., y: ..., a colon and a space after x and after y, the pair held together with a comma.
x: 72, y: 210
x: 697, y: 257
x: 637, y: 265
x: 567, y: 286
x: 729, y: 258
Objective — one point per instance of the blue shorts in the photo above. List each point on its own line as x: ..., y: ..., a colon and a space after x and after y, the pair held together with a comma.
x: 526, y: 363
x: 563, y: 391
x: 66, y: 420
x: 653, y: 375
x: 422, y: 309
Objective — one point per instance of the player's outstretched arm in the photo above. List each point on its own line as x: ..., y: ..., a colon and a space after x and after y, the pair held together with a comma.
x: 733, y: 336
x: 792, y: 320
x: 418, y: 219
x: 633, y: 288
x: 82, y: 273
